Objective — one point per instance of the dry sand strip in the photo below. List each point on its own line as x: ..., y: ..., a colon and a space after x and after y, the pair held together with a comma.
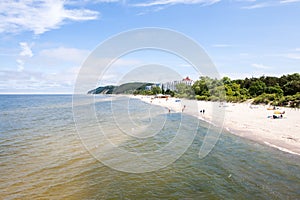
x: 243, y: 119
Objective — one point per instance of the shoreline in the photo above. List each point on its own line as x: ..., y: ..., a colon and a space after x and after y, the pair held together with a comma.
x: 242, y: 119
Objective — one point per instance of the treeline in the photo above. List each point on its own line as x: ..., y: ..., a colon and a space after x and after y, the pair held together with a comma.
x: 278, y: 91
x: 153, y: 91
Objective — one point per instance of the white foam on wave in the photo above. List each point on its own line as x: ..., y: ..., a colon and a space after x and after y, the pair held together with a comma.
x: 281, y: 148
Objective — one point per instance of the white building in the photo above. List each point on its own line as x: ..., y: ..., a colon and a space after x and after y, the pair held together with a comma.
x: 149, y: 87
x: 172, y: 85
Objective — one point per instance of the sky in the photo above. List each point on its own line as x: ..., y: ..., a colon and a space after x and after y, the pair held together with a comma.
x: 43, y: 44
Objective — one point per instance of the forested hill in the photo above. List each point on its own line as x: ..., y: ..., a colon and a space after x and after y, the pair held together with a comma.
x: 127, y: 88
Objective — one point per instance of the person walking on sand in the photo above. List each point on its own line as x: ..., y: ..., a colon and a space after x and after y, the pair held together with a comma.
x: 183, y: 108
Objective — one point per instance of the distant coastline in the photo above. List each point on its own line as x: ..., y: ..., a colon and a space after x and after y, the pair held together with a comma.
x: 275, y: 91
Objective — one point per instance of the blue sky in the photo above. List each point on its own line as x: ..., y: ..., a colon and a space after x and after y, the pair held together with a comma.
x: 44, y: 43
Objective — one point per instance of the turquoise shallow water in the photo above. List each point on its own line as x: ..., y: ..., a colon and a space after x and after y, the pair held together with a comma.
x: 42, y: 156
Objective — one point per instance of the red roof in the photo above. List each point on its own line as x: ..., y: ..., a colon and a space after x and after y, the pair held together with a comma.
x: 187, y: 79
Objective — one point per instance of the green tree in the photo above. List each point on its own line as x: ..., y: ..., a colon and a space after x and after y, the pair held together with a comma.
x: 274, y: 90
x: 170, y: 92
x: 219, y: 92
x: 292, y: 87
x: 226, y: 80
x: 257, y: 88
x: 184, y: 91
x: 200, y: 87
x: 155, y: 90
x: 229, y: 91
x: 271, y: 81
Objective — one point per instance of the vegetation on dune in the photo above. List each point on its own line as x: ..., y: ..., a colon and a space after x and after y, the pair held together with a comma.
x: 278, y: 91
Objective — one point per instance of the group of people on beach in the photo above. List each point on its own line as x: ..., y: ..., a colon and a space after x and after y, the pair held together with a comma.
x: 277, y: 117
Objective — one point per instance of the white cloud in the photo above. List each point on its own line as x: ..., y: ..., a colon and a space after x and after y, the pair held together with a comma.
x: 266, y: 3
x: 261, y: 66
x: 257, y: 74
x: 115, y: 70
x: 289, y: 1
x: 20, y: 65
x: 244, y: 54
x: 65, y: 54
x: 23, y: 55
x: 173, y: 2
x: 64, y: 77
x: 258, y: 5
x: 49, y: 60
x: 39, y: 16
x: 293, y: 56
x: 37, y: 82
x: 26, y: 50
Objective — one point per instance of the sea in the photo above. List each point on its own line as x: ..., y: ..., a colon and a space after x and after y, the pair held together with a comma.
x: 113, y: 150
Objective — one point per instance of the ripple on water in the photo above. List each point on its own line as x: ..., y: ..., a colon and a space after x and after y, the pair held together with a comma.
x: 41, y: 156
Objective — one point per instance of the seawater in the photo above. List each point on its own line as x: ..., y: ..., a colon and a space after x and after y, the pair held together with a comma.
x: 43, y: 157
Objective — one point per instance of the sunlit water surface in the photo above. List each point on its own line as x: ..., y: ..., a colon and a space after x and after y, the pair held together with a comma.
x: 42, y: 156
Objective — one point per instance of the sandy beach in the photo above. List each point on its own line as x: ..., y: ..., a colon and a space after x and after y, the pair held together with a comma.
x: 254, y: 122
